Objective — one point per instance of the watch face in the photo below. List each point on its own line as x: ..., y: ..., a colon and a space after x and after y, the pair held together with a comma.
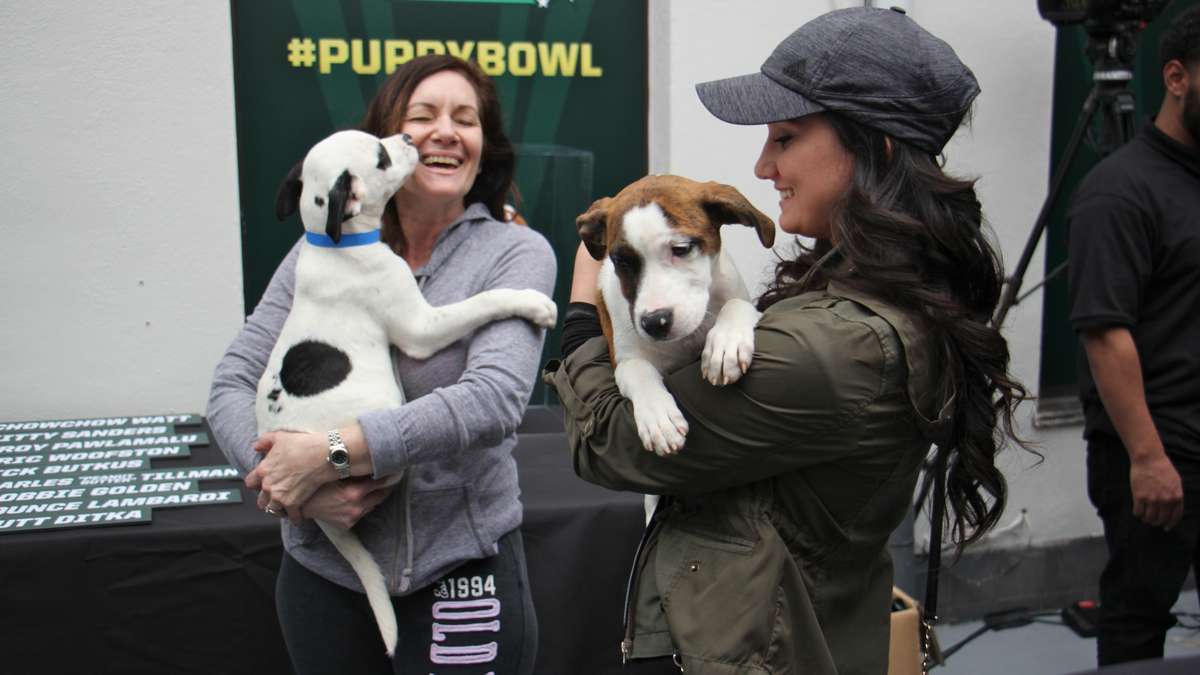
x: 339, y: 456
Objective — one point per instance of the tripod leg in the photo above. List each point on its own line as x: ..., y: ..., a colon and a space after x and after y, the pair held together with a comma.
x: 1012, y: 285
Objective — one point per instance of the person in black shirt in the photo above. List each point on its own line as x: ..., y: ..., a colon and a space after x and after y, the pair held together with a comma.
x: 1135, y: 303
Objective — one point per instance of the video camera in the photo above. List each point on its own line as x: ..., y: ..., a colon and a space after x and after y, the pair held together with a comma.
x: 1102, y: 12
x: 1112, y: 26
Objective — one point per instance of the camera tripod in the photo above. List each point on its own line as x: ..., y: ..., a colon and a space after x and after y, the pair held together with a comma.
x: 1111, y: 96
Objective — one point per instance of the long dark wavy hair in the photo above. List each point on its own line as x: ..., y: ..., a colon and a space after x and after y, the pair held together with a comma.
x: 385, y: 116
x: 913, y: 236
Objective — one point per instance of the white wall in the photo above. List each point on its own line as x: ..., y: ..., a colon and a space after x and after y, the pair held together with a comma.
x: 121, y: 276
x: 1011, y: 51
x: 121, y: 271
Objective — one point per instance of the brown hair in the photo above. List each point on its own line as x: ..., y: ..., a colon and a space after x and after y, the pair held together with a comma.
x: 385, y: 116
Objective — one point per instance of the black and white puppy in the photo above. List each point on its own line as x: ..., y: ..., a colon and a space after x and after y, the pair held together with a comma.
x: 353, y: 298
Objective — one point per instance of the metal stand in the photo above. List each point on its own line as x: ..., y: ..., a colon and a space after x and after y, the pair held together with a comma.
x: 1111, y: 96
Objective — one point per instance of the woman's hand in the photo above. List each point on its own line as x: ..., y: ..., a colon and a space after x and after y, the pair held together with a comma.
x: 293, y: 469
x: 345, y: 502
x: 584, y: 286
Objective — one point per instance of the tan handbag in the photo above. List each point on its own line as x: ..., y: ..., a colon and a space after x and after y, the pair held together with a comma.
x: 904, y: 649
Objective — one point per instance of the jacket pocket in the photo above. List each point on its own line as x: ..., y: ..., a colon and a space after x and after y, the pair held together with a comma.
x: 704, y: 574
x: 445, y: 527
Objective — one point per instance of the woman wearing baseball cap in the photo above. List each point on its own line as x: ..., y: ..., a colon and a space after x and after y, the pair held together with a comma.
x: 768, y: 554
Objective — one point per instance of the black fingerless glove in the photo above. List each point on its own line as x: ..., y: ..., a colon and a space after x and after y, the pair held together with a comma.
x: 580, y: 324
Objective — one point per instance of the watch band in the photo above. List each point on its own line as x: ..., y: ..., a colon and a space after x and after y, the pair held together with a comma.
x: 339, y: 456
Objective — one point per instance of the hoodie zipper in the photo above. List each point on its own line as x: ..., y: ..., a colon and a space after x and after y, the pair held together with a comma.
x: 398, y: 565
x: 635, y: 573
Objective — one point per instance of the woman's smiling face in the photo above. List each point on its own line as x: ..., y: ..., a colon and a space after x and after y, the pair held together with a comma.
x: 443, y: 120
x: 807, y: 163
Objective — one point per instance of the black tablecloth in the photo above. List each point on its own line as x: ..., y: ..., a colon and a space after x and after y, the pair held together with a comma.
x: 193, y: 592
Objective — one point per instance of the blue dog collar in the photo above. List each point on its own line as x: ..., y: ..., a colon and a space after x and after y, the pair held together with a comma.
x: 348, y: 240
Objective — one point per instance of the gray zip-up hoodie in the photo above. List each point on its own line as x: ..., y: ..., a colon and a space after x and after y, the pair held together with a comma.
x: 455, y: 434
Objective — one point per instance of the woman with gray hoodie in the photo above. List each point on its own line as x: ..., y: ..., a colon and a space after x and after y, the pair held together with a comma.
x: 447, y: 535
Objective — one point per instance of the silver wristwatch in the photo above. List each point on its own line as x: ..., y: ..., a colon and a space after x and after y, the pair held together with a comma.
x: 339, y: 456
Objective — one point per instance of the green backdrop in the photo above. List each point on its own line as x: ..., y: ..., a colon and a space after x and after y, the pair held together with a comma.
x: 1072, y: 82
x: 571, y: 75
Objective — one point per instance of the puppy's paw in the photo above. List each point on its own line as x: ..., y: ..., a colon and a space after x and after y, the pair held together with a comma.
x: 661, y: 426
x: 728, y: 350
x: 536, y: 308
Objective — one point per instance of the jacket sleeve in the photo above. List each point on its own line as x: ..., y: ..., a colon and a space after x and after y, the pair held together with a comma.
x: 230, y: 412
x: 488, y: 401
x: 813, y: 375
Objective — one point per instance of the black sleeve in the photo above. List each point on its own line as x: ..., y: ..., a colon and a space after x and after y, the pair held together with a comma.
x: 1110, y: 253
x: 580, y: 324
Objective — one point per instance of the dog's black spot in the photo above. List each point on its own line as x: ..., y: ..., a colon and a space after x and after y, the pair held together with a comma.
x: 339, y: 194
x: 628, y: 266
x: 319, y: 201
x: 311, y: 367
x: 274, y: 395
x: 385, y: 160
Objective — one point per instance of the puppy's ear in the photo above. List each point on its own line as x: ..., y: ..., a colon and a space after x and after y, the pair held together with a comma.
x: 592, y: 227
x: 339, y: 194
x: 725, y: 205
x: 287, y: 200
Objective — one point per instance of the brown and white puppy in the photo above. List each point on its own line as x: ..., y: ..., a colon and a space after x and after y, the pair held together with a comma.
x: 669, y: 293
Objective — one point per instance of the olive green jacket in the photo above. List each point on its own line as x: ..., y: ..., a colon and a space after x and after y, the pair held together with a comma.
x: 771, y: 554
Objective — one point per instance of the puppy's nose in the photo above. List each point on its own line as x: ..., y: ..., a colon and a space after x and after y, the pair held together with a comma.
x: 406, y: 138
x: 657, y: 323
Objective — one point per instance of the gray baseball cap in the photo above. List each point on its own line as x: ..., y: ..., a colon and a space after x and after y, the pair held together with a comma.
x: 875, y: 66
